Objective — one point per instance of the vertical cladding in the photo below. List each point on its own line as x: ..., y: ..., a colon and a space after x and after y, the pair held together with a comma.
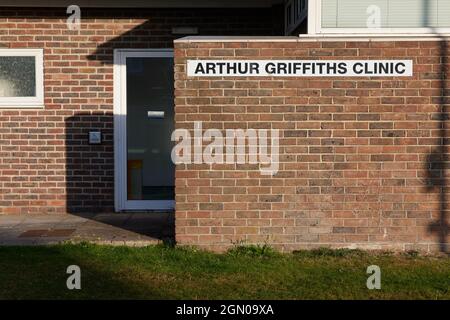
x: 363, y: 160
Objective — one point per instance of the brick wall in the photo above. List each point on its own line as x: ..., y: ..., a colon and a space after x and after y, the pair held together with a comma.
x: 46, y: 164
x: 363, y: 160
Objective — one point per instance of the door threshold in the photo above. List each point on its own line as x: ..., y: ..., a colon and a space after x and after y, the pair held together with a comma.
x: 147, y: 211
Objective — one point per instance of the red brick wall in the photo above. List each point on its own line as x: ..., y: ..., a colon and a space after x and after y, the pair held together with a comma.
x: 46, y: 164
x: 363, y: 160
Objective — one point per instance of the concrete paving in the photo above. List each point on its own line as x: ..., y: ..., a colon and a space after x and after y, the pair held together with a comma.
x: 133, y: 229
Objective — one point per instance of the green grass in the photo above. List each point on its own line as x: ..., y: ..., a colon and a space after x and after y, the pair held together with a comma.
x: 159, y: 272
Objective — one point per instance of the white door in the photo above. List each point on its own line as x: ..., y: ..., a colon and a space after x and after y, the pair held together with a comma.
x: 143, y: 124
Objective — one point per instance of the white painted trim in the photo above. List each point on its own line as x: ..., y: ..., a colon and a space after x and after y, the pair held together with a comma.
x: 375, y: 37
x: 315, y: 27
x: 315, y: 38
x: 312, y: 23
x: 194, y: 39
x: 142, y: 3
x: 385, y: 31
x: 26, y: 102
x: 117, y: 130
x: 120, y: 129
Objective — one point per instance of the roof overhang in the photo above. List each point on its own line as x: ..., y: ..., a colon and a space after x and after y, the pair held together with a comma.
x: 143, y: 3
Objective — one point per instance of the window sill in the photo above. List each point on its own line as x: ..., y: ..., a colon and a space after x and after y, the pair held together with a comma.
x: 374, y: 37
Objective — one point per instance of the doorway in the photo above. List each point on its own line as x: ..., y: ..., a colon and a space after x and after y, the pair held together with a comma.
x: 143, y: 124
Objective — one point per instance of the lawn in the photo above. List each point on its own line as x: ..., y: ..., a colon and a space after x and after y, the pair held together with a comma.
x: 159, y: 272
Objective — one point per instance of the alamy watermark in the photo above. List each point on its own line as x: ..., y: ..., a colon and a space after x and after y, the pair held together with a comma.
x: 73, y: 22
x: 238, y: 146
x: 374, y: 280
x: 74, y: 280
x: 374, y: 17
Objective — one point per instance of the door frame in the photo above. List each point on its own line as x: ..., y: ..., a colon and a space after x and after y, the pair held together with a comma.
x: 121, y: 202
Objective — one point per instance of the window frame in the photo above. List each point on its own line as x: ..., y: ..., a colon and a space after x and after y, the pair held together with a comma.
x: 315, y: 27
x: 26, y: 102
x: 296, y: 16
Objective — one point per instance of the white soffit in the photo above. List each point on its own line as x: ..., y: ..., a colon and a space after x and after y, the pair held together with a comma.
x: 142, y: 3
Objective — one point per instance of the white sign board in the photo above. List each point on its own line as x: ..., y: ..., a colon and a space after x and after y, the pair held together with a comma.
x: 299, y: 68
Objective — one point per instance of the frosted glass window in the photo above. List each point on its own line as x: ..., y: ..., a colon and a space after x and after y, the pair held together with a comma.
x: 393, y: 13
x: 17, y: 77
x: 329, y: 13
x: 444, y: 13
x: 21, y: 78
x: 355, y: 14
x: 413, y: 13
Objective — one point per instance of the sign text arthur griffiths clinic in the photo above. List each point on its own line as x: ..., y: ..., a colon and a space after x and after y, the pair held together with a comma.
x: 300, y: 68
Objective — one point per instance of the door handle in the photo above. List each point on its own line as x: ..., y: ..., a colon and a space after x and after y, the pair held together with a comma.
x: 155, y: 114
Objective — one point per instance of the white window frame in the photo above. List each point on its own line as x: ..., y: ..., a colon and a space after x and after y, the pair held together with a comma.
x: 26, y: 102
x: 315, y: 26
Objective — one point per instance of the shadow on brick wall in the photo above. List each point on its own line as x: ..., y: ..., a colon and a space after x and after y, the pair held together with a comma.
x: 157, y: 31
x: 437, y: 160
x: 90, y: 179
x: 89, y: 168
